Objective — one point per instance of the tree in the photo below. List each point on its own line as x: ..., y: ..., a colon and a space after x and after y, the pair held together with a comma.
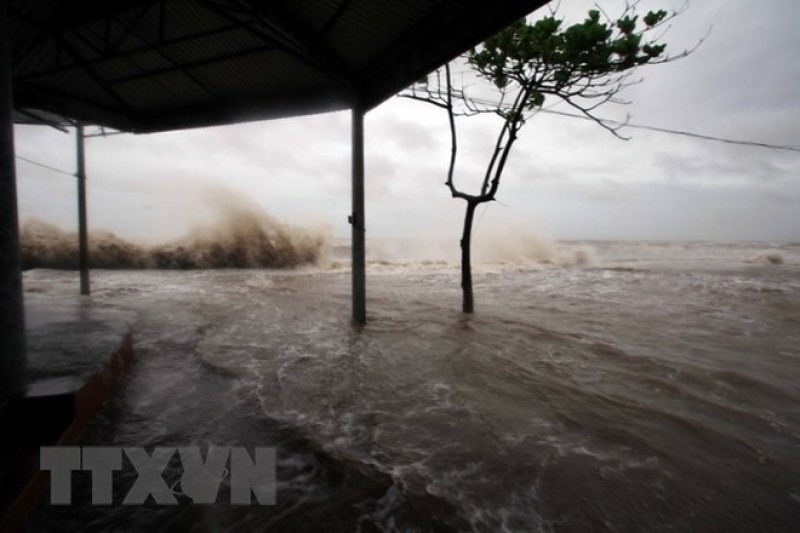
x: 584, y: 65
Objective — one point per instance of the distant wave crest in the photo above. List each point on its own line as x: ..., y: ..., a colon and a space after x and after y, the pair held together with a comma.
x: 242, y: 239
x: 770, y: 258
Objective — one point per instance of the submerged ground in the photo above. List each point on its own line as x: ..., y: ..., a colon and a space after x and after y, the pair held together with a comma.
x: 617, y: 386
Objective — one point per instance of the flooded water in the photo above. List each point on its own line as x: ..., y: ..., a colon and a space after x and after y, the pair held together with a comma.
x: 610, y: 386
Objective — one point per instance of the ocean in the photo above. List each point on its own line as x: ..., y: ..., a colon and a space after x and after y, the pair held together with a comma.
x: 600, y: 386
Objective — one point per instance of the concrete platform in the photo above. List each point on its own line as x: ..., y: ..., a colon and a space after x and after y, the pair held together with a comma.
x: 77, y: 353
x: 70, y: 337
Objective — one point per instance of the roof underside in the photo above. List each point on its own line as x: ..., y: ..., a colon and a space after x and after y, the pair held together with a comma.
x: 153, y: 65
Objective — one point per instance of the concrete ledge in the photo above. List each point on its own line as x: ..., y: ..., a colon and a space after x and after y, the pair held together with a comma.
x: 55, y: 412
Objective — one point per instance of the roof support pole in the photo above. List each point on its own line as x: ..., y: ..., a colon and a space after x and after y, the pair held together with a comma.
x: 83, y: 232
x: 357, y: 219
x: 12, y: 315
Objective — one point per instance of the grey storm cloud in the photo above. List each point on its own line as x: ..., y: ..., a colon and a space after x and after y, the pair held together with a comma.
x: 721, y: 166
x: 740, y: 82
x: 409, y: 136
x: 567, y: 175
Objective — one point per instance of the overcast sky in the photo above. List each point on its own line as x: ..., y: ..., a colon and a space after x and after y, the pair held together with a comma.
x: 567, y: 178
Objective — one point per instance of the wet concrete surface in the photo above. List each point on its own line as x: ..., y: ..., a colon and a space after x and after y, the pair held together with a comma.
x: 71, y: 346
x: 69, y: 339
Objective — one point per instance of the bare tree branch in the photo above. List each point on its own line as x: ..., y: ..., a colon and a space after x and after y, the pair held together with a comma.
x: 585, y: 65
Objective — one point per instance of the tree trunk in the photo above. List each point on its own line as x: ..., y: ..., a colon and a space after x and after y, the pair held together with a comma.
x: 468, y: 304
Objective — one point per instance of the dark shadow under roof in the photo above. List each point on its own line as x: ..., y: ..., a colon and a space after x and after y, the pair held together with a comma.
x: 157, y: 65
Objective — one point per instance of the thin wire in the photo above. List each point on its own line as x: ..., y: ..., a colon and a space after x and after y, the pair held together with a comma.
x: 46, y: 166
x: 660, y: 130
x: 680, y: 132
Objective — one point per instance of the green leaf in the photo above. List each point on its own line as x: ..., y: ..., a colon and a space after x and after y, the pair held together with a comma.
x: 536, y: 99
x: 626, y: 25
x: 654, y: 17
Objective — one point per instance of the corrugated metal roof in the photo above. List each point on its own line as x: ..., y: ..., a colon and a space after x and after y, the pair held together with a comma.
x: 188, y: 17
x: 285, y: 74
x: 378, y: 23
x: 317, y: 14
x: 123, y: 66
x: 149, y: 65
x: 161, y: 92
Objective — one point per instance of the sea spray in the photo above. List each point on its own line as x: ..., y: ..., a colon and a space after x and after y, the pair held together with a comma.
x: 768, y: 258
x: 519, y: 244
x: 241, y: 238
x: 45, y: 245
x: 505, y: 245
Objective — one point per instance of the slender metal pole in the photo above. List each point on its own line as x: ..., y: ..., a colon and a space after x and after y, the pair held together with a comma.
x: 83, y: 232
x: 12, y: 314
x: 357, y: 220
